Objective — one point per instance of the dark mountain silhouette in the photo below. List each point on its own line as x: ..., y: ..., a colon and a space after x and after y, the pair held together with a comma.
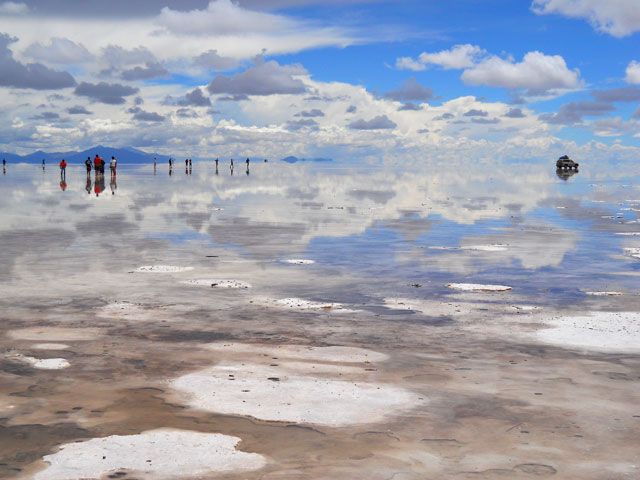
x: 123, y: 155
x: 292, y: 159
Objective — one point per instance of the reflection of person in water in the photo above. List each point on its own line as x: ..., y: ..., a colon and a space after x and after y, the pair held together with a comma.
x: 63, y: 184
x: 113, y: 185
x: 216, y: 170
x: 98, y: 188
x: 88, y: 187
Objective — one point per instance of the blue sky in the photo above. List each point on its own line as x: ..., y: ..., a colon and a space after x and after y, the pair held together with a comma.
x: 370, y: 79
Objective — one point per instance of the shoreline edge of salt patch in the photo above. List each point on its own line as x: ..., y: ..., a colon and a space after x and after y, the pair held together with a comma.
x: 299, y: 261
x: 306, y: 385
x: 477, y: 287
x: 163, y: 453
x: 602, y: 331
x: 162, y: 269
x: 216, y: 283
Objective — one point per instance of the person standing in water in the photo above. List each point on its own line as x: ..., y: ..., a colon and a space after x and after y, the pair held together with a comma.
x: 113, y: 165
x: 87, y: 164
x: 43, y: 163
x: 63, y: 168
x: 97, y: 162
x: 216, y: 163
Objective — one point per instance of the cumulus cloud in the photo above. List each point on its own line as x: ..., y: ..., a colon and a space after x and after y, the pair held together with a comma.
x: 59, y: 50
x: 109, y: 93
x: 572, y: 113
x: 444, y: 116
x: 352, y: 109
x: 536, y: 71
x: 409, y: 106
x: 410, y: 90
x: 475, y: 113
x: 622, y: 94
x: 266, y: 78
x: 314, y: 112
x: 615, y: 126
x: 13, y: 8
x: 302, y: 123
x: 32, y: 75
x: 194, y: 98
x: 144, y: 116
x: 222, y: 17
x: 633, y: 72
x: 618, y: 18
x: 150, y: 70
x: 213, y: 61
x: 457, y: 57
x: 514, y: 113
x: 117, y: 56
x: 485, y: 121
x: 186, y: 113
x: 78, y: 110
x: 46, y: 116
x: 381, y: 122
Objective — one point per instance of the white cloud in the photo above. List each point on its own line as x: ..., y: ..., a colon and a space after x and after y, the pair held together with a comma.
x: 408, y: 63
x: 633, y: 72
x: 13, y: 8
x: 222, y: 17
x: 618, y: 18
x: 59, y: 50
x: 457, y: 57
x: 536, y: 71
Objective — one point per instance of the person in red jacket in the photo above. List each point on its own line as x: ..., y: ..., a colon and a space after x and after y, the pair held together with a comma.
x: 63, y: 168
x: 98, y: 164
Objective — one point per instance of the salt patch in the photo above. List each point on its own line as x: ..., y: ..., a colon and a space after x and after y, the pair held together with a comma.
x: 486, y: 248
x: 216, y: 283
x: 162, y: 453
x: 608, y: 331
x: 162, y: 269
x: 297, y: 392
x: 604, y: 294
x: 628, y: 234
x: 633, y: 252
x: 301, y: 304
x: 428, y: 307
x: 50, y: 346
x: 43, y: 364
x: 477, y: 287
x: 299, y: 261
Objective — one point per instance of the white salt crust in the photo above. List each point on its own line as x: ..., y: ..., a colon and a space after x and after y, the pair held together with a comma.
x: 477, y: 287
x: 605, y: 331
x: 42, y: 364
x: 265, y: 384
x: 162, y: 269
x: 496, y: 247
x: 163, y: 453
x: 628, y: 234
x: 633, y: 252
x: 604, y: 294
x: 299, y: 261
x: 50, y: 346
x: 217, y: 283
x: 302, y: 305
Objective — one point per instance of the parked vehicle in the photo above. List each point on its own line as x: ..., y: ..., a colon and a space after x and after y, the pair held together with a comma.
x: 564, y: 162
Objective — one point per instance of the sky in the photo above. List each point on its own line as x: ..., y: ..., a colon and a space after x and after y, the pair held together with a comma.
x: 349, y: 79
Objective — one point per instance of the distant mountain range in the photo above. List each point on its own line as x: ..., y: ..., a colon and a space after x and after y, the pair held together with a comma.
x: 123, y: 155
x: 292, y: 159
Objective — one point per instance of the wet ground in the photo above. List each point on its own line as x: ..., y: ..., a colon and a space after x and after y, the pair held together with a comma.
x: 320, y: 321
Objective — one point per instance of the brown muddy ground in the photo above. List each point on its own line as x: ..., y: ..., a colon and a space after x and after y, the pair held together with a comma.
x: 494, y: 408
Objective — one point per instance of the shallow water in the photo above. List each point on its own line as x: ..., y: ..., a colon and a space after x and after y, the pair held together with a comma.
x: 385, y: 242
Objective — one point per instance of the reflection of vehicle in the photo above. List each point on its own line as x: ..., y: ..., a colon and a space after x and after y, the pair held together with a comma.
x: 566, y: 163
x: 565, y: 174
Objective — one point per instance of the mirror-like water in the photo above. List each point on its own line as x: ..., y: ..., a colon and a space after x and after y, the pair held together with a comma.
x: 138, y: 281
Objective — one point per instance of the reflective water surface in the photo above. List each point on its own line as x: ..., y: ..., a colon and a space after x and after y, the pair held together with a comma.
x: 130, y: 279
